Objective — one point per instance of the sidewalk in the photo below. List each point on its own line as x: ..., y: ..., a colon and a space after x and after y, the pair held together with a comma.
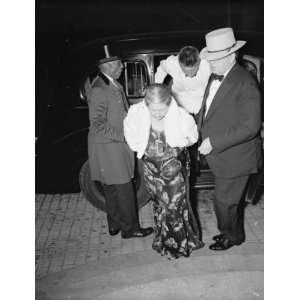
x: 76, y: 258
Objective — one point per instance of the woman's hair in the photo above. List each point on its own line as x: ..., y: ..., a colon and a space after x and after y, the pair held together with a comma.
x: 188, y: 56
x: 158, y: 93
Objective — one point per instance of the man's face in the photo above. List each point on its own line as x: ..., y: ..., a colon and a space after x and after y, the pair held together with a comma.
x: 113, y: 68
x: 220, y: 66
x: 190, y: 71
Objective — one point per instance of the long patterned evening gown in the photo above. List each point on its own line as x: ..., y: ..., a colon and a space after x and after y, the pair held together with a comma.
x: 175, y: 232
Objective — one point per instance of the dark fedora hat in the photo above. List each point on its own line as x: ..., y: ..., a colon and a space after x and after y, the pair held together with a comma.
x: 107, y: 57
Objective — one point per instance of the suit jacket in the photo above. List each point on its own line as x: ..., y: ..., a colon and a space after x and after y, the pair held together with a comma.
x: 110, y: 158
x: 232, y: 123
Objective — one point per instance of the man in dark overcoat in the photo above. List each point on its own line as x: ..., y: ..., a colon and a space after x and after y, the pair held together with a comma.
x: 229, y: 123
x: 110, y: 159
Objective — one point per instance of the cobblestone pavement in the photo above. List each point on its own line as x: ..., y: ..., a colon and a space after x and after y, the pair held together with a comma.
x: 71, y: 232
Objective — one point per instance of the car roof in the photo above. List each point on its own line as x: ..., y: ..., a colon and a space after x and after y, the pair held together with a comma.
x: 80, y: 59
x: 163, y: 42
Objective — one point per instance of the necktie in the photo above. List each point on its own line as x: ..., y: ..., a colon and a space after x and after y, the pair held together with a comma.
x: 215, y: 76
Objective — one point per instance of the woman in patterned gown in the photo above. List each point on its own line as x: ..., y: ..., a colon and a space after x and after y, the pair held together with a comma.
x: 159, y: 131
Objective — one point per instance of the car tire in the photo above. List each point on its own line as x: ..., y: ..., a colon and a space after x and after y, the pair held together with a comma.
x: 93, y: 190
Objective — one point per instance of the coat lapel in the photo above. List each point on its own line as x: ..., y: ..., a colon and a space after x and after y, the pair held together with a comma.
x: 224, y: 88
x: 116, y: 86
x: 120, y: 88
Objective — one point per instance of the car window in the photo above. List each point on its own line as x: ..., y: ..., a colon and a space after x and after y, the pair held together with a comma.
x: 250, y: 67
x: 134, y: 78
x: 253, y: 65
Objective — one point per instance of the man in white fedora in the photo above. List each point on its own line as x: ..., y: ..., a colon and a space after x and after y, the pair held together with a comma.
x: 229, y: 123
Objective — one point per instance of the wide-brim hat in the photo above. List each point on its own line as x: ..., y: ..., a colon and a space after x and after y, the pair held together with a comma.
x: 220, y: 43
x: 107, y: 57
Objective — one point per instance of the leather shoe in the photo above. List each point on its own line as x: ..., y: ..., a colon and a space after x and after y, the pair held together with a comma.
x: 114, y: 231
x: 218, y: 237
x: 221, y: 245
x: 142, y: 232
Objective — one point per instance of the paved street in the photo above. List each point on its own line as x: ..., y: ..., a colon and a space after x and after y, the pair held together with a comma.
x: 73, y: 245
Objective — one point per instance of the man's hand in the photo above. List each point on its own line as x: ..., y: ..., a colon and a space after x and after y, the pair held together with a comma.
x: 205, y: 147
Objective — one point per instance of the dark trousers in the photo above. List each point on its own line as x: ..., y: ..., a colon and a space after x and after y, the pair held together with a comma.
x: 120, y: 205
x: 229, y: 208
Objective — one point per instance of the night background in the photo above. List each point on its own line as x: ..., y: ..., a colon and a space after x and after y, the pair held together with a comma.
x: 61, y: 25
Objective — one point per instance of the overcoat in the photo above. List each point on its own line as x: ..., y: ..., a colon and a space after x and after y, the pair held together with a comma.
x: 111, y: 161
x: 233, y: 123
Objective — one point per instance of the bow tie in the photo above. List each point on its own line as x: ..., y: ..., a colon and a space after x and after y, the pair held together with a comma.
x: 216, y: 77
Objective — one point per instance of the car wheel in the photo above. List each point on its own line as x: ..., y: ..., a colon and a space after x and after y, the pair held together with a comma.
x: 93, y: 190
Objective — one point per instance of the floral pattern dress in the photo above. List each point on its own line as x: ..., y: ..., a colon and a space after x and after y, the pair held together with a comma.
x: 175, y: 230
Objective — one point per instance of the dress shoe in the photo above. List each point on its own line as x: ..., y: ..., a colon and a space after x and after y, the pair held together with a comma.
x: 218, y: 237
x: 220, y: 245
x: 142, y: 232
x: 114, y: 231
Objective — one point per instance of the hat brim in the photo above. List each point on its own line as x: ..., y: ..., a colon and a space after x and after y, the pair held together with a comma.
x: 108, y: 59
x: 204, y: 54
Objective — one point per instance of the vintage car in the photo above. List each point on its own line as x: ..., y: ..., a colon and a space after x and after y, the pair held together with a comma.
x: 61, y: 147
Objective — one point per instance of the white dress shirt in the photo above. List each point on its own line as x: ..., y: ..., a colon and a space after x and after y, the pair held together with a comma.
x: 213, y: 90
x: 188, y: 91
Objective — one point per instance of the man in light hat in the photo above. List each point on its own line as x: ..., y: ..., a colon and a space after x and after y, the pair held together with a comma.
x: 229, y: 123
x: 110, y: 159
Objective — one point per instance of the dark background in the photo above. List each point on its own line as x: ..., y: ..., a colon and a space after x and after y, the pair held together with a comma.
x: 64, y: 24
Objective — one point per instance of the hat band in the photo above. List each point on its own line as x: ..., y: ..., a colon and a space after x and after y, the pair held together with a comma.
x: 226, y: 49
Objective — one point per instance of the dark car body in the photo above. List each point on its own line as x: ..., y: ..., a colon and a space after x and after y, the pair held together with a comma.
x: 62, y: 114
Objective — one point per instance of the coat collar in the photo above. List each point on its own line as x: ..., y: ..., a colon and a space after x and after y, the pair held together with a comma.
x: 107, y: 80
